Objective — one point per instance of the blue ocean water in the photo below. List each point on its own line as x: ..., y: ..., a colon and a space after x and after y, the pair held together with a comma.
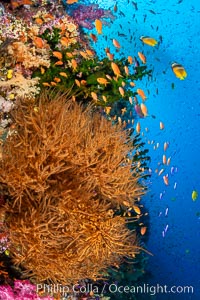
x: 174, y: 229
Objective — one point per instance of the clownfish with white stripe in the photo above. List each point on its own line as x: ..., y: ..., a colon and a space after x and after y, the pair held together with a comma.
x: 179, y: 70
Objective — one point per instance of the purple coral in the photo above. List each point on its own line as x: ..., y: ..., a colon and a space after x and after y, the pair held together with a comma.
x: 86, y: 14
x: 23, y: 290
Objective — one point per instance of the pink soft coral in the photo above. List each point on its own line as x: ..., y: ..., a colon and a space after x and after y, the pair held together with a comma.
x: 23, y: 290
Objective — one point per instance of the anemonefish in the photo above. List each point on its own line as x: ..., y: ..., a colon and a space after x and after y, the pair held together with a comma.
x: 179, y: 71
x: 148, y: 40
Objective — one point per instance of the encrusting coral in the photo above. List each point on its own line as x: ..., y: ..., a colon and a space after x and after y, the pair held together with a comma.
x: 66, y: 171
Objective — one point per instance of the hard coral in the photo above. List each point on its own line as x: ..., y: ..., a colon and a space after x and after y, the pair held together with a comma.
x: 66, y: 171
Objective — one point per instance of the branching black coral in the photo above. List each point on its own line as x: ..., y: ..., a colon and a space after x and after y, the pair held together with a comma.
x: 66, y: 171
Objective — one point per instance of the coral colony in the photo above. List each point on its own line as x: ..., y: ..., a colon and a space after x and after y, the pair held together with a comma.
x: 86, y: 15
x: 72, y: 172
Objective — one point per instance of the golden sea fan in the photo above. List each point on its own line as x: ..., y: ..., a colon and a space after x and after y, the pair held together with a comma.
x: 59, y: 145
x: 66, y: 171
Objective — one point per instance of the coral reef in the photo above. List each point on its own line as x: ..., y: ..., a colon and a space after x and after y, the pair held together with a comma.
x: 23, y: 50
x: 70, y: 180
x: 66, y: 171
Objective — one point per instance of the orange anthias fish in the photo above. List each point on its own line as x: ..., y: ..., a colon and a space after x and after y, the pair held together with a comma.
x: 90, y: 52
x: 130, y: 60
x: 164, y: 159
x: 69, y: 55
x: 98, y: 26
x: 143, y: 230
x: 71, y: 1
x: 57, y: 54
x: 136, y: 209
x: 116, y: 69
x: 138, y: 128
x: 126, y: 69
x: 74, y: 64
x: 59, y: 63
x: 83, y: 54
x: 46, y: 84
x: 56, y: 79
x: 121, y: 90
x: 168, y: 161
x: 64, y: 41
x: 166, y: 180
x: 107, y: 109
x: 141, y: 94
x: 162, y: 126
x: 39, y: 21
x: 63, y: 74
x: 102, y: 80
x: 116, y: 43
x: 110, y: 56
x: 77, y: 82
x: 142, y: 57
x: 132, y: 83
x: 38, y: 41
x: 93, y: 37
x: 42, y: 70
x: 166, y: 144
x: 144, y: 109
x: 94, y: 96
